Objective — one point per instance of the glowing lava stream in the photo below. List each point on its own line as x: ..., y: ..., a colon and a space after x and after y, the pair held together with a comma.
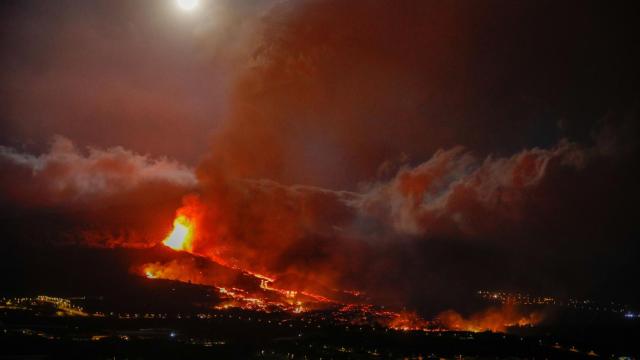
x: 181, y: 239
x: 181, y: 236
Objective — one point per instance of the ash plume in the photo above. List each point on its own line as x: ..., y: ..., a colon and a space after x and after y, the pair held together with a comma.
x: 386, y: 148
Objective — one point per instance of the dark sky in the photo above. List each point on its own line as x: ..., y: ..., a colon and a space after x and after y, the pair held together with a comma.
x: 495, y: 77
x: 105, y: 73
x: 460, y: 132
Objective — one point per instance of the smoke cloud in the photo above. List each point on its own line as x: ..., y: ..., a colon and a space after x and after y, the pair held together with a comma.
x: 458, y: 193
x: 311, y: 238
x: 102, y: 197
x: 432, y: 160
x: 65, y: 173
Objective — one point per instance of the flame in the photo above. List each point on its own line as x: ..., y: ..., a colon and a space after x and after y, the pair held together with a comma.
x: 181, y: 236
x: 492, y: 319
x: 407, y: 321
x: 173, y: 270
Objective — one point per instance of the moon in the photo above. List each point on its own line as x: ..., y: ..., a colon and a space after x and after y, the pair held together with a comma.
x: 187, y: 5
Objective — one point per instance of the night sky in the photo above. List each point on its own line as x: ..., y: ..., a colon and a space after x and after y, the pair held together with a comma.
x: 416, y: 150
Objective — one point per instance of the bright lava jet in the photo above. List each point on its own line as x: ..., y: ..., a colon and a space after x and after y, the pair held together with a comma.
x: 181, y: 235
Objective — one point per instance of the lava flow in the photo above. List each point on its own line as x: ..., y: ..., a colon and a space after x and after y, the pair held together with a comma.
x: 263, y: 295
x: 259, y: 292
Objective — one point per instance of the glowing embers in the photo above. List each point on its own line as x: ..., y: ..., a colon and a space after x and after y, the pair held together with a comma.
x: 181, y: 236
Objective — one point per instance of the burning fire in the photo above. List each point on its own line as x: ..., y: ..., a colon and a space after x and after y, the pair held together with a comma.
x: 407, y: 321
x: 266, y: 295
x: 493, y: 319
x: 173, y: 270
x: 181, y: 236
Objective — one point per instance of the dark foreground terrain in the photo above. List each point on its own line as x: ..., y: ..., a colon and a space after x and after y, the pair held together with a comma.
x: 45, y: 333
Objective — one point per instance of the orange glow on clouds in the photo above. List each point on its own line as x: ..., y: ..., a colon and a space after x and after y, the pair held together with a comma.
x: 181, y: 236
